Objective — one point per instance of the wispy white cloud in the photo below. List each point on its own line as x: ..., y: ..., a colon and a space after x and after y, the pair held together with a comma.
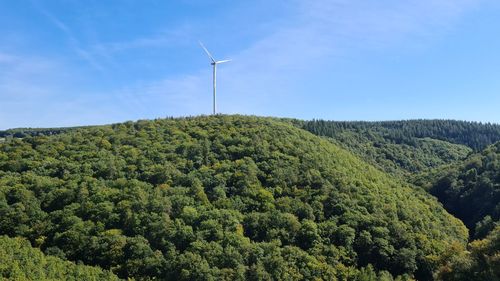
x: 26, y: 84
x: 26, y: 76
x: 376, y: 22
x: 40, y: 92
x: 73, y: 41
x: 167, y: 38
x: 258, y: 81
x: 321, y: 30
x: 169, y: 97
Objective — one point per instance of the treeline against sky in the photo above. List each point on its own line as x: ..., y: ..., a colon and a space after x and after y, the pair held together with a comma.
x: 218, y: 198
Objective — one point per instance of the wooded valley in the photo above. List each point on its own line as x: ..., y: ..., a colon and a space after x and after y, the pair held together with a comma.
x: 232, y: 197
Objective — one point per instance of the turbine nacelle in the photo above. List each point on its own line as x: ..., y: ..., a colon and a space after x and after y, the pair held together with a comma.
x: 214, y: 62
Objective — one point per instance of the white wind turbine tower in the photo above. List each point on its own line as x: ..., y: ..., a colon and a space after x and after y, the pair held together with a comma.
x: 214, y: 63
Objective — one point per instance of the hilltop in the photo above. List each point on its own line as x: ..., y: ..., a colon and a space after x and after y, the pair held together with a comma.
x: 221, y: 197
x: 400, y: 148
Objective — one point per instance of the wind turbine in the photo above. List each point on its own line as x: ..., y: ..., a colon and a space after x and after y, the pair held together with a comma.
x: 214, y: 63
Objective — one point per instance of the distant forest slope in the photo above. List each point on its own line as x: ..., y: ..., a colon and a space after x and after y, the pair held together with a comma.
x: 472, y: 134
x: 401, y: 159
x: 404, y: 148
x: 470, y: 189
x: 19, y: 261
x: 218, y: 198
x: 24, y: 132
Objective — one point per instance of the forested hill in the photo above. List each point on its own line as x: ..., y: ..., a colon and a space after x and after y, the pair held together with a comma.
x: 470, y: 189
x: 475, y: 135
x: 24, y: 132
x: 404, y: 148
x: 401, y: 148
x: 218, y: 198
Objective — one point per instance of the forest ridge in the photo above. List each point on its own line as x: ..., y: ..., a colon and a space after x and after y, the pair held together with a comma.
x: 252, y: 198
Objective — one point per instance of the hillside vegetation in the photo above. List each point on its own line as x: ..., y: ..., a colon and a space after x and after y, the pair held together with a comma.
x: 405, y: 148
x: 19, y: 261
x: 218, y: 198
x: 401, y: 148
x: 472, y: 134
x: 24, y: 132
x: 470, y: 189
x: 481, y: 260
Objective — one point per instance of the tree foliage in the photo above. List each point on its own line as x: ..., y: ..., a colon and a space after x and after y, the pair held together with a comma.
x: 218, y: 198
x: 19, y: 261
x: 404, y: 148
x: 470, y: 189
x: 475, y: 135
x: 481, y: 261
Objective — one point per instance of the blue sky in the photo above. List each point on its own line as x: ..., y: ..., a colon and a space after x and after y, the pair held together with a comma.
x: 65, y: 63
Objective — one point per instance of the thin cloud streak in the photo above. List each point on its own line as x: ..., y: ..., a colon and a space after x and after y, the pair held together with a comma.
x: 168, y: 38
x: 277, y: 64
x: 27, y: 83
x: 258, y: 81
x: 72, y: 40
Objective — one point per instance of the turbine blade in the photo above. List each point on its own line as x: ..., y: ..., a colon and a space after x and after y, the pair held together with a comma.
x: 223, y: 61
x: 206, y: 51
